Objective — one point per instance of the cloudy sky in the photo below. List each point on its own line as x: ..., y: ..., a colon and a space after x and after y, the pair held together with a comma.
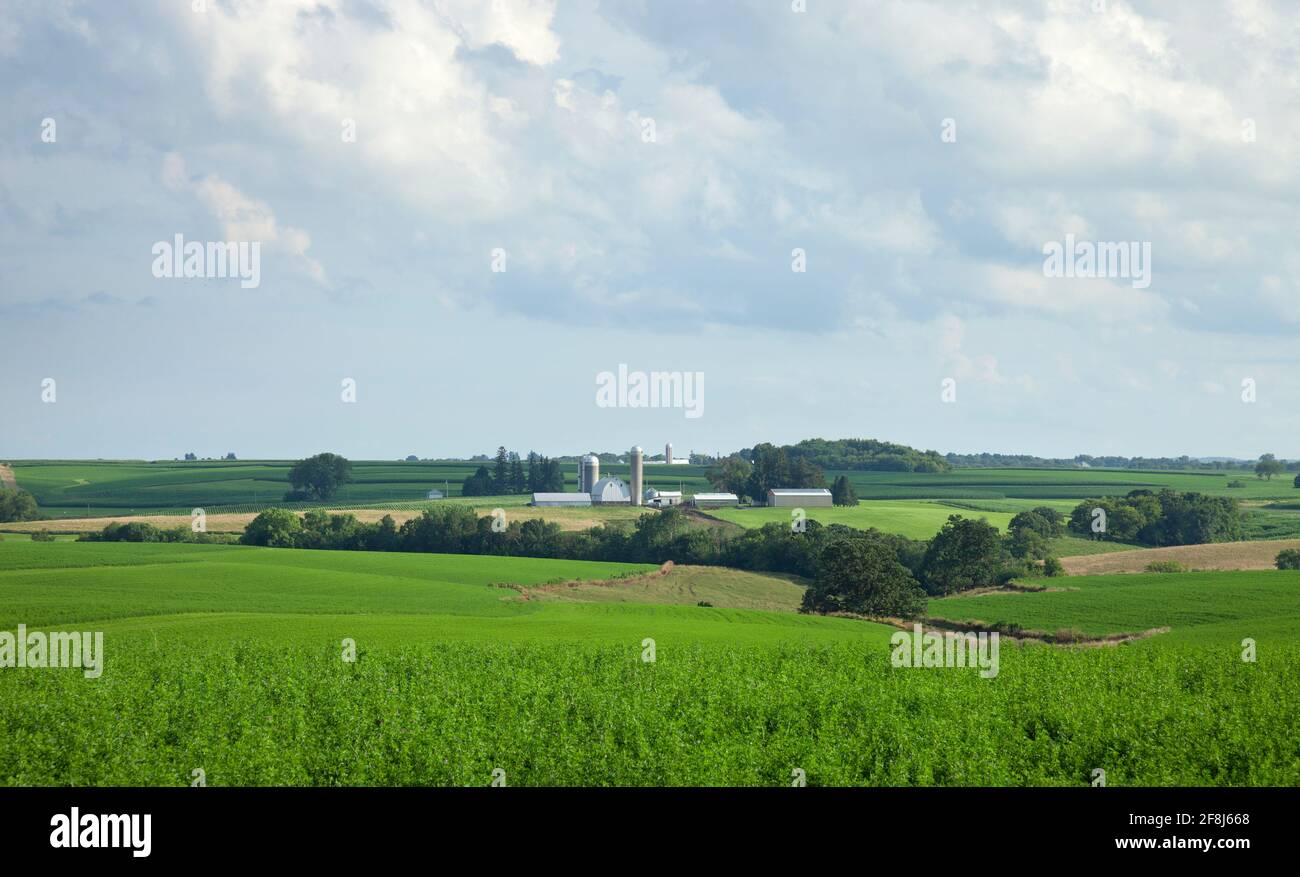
x: 649, y: 174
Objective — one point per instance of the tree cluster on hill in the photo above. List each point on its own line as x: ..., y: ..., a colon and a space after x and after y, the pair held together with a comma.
x: 857, y: 571
x: 1168, y: 517
x: 511, y: 476
x: 861, y: 455
x: 17, y: 505
x: 1028, y: 461
x: 318, y: 478
x: 752, y: 473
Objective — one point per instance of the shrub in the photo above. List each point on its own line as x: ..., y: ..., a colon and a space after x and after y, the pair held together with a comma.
x: 1288, y: 558
x: 1052, y: 567
x: 1165, y: 566
x: 273, y: 528
x: 42, y: 536
x: 17, y: 505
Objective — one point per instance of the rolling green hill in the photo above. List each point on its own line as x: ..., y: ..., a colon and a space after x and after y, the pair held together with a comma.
x: 230, y: 659
x: 1200, y: 607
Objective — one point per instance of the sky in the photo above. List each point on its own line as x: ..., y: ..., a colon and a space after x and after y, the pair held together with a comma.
x: 833, y: 218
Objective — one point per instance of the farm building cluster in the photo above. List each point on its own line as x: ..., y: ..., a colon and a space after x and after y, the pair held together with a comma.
x: 595, y: 490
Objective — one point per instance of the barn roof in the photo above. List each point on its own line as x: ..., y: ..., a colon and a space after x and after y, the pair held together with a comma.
x: 562, y: 497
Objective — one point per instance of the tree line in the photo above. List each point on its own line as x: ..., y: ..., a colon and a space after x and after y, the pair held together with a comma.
x: 1167, y: 517
x: 510, y: 475
x: 858, y: 571
x: 857, y: 454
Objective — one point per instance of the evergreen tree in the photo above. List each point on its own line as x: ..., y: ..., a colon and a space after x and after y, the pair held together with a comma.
x: 554, y: 480
x: 535, y: 472
x: 501, y: 477
x: 518, y: 481
x: 842, y: 492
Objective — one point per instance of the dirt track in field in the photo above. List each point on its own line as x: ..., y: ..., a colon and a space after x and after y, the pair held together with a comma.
x: 1222, y: 555
x: 7, y: 479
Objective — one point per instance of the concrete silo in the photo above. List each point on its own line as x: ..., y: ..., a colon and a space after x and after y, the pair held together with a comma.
x: 589, y: 473
x: 668, y: 453
x: 637, y: 486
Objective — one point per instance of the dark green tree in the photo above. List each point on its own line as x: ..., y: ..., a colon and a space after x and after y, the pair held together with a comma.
x: 478, y: 484
x: 731, y: 475
x: 518, y: 480
x: 862, y: 575
x: 965, y: 554
x: 1267, y: 467
x: 842, y: 492
x: 321, y: 476
x: 501, y: 475
x: 17, y: 505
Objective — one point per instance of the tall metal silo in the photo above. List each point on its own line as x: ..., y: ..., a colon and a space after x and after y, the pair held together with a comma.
x: 589, y: 470
x: 637, y: 486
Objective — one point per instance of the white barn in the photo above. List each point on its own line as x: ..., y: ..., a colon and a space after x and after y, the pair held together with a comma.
x: 817, y: 497
x: 561, y: 499
x: 662, y: 498
x: 611, y: 491
x: 714, y: 500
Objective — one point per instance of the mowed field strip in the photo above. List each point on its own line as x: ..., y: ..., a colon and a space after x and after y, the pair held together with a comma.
x: 219, y: 522
x: 1214, y: 556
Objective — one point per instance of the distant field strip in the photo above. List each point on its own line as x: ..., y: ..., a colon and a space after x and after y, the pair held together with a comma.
x: 1219, y: 607
x: 916, y: 520
x: 1214, y: 556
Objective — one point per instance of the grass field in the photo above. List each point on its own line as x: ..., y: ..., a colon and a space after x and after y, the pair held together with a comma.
x: 916, y: 520
x: 86, y: 488
x: 229, y: 659
x: 1218, y: 608
x: 66, y: 488
x: 190, y: 592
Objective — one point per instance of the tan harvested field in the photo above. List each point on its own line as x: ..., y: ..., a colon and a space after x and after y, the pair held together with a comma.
x: 568, y: 519
x: 7, y: 479
x: 720, y: 587
x: 1222, y: 555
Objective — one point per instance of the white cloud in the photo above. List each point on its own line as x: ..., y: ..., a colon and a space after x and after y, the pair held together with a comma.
x: 243, y: 218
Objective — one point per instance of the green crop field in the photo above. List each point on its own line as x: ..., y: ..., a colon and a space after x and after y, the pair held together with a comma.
x: 97, y: 488
x: 229, y: 659
x: 1062, y: 484
x: 1199, y: 607
x: 914, y: 519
